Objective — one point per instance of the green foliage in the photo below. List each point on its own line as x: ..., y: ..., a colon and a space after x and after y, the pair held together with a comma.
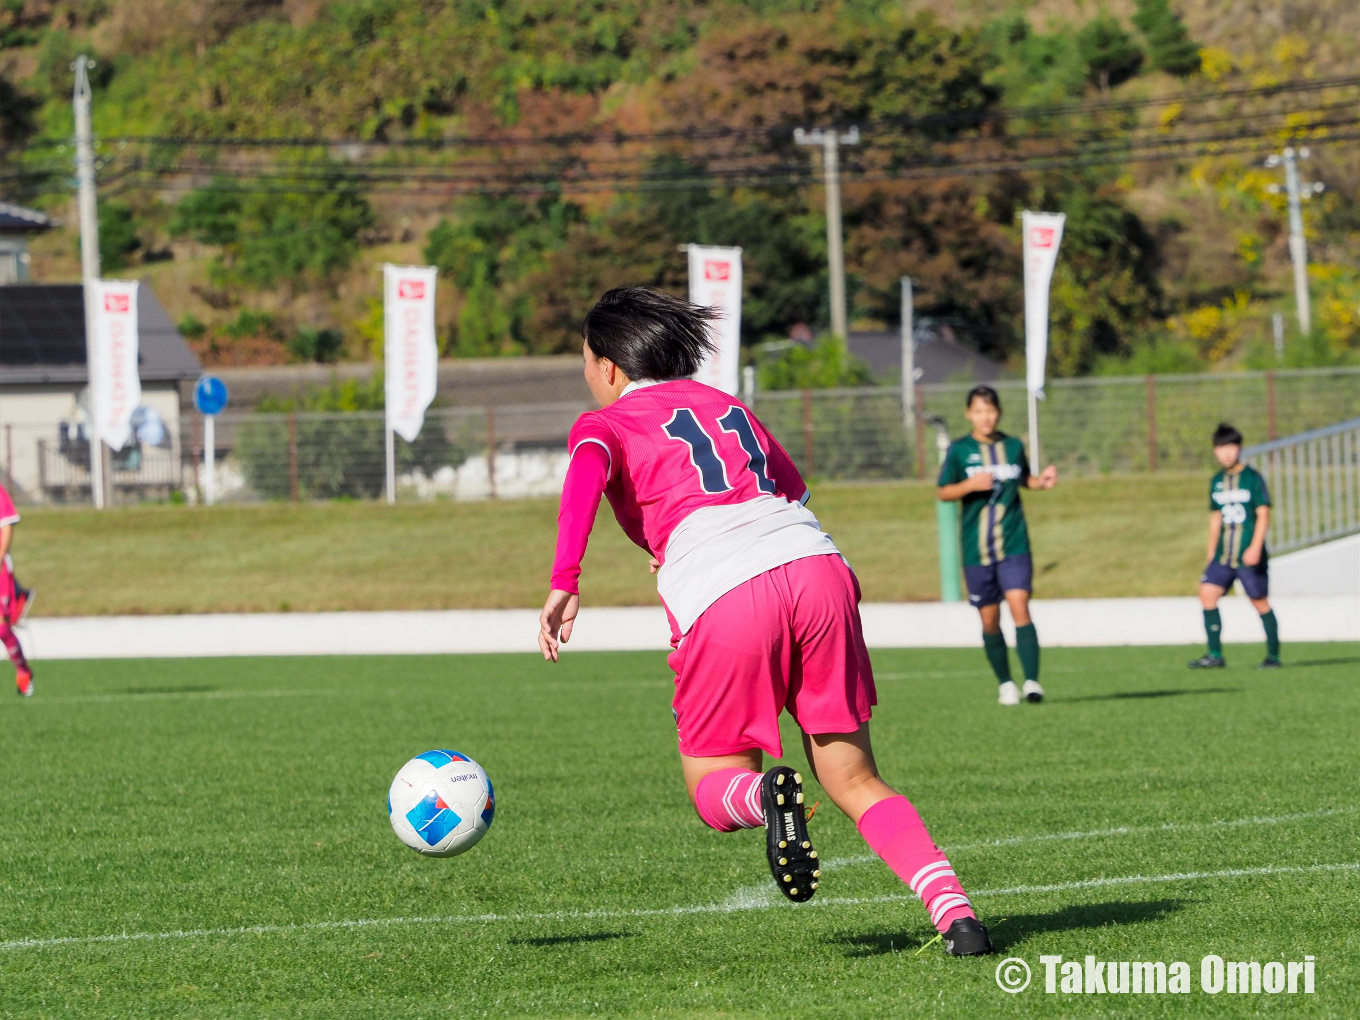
x: 268, y: 239
x: 16, y: 112
x: 1169, y: 42
x: 1035, y: 68
x: 1110, y: 54
x: 1156, y: 355
x: 249, y: 322
x: 319, y: 345
x: 117, y: 236
x: 190, y: 327
x: 825, y: 365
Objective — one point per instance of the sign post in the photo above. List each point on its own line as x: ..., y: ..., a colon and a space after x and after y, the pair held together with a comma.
x: 210, y: 397
x: 1042, y: 235
x: 411, y: 356
x: 715, y: 280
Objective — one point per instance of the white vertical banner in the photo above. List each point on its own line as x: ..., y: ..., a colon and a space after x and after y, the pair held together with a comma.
x: 1042, y: 235
x: 115, y: 386
x: 410, y: 347
x: 715, y: 280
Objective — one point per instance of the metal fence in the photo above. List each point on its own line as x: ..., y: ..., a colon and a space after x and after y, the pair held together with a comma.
x: 1314, y: 481
x: 1088, y: 426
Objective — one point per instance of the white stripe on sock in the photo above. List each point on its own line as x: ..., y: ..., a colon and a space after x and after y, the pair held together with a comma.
x: 727, y: 802
x: 915, y: 883
x: 945, y: 904
x: 921, y: 889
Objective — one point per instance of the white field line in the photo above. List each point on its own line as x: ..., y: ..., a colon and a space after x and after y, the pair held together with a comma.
x: 588, y: 915
x: 67, y: 699
x: 757, y: 895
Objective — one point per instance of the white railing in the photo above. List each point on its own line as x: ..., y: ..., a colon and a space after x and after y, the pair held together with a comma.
x: 1314, y: 480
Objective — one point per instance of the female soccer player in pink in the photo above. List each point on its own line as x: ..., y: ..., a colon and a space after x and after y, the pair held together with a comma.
x: 14, y: 600
x: 764, y: 610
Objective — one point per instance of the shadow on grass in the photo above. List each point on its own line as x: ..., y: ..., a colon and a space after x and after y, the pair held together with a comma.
x: 1324, y: 662
x: 1134, y: 695
x: 188, y: 689
x: 1014, y: 928
x: 1018, y: 927
x: 568, y: 940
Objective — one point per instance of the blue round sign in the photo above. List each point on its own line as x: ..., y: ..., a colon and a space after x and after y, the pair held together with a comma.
x: 210, y: 395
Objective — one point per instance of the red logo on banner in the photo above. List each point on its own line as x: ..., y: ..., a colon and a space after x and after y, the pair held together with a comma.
x: 717, y: 270
x: 1041, y: 237
x: 117, y: 303
x: 411, y: 289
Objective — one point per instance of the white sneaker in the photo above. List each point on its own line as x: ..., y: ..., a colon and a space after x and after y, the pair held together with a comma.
x: 1033, y: 692
x: 1008, y: 693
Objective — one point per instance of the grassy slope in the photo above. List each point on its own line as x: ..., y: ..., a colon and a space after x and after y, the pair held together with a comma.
x: 150, y: 797
x: 1093, y: 537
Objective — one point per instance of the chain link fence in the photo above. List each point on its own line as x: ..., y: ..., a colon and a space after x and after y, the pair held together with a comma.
x: 1087, y: 426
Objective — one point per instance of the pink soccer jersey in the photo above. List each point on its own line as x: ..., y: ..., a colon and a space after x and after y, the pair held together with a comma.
x: 669, y: 454
x: 8, y: 514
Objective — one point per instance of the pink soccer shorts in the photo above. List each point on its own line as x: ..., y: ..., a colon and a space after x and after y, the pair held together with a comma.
x: 789, y: 638
x: 7, y: 591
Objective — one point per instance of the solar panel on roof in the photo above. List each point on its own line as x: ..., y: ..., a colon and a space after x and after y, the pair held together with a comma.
x: 42, y: 324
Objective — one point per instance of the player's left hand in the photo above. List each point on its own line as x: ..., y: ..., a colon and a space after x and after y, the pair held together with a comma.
x: 1049, y: 477
x: 1251, y: 557
x: 559, y: 613
x: 653, y: 564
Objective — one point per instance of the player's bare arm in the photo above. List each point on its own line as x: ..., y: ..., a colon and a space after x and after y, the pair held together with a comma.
x: 1252, y: 556
x: 1215, y: 529
x: 1046, y: 479
x: 980, y: 482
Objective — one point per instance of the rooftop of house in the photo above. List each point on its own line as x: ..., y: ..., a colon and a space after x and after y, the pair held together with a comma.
x: 42, y: 337
x: 15, y: 219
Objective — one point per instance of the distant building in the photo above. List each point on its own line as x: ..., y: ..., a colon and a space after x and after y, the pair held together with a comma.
x: 16, y: 225
x: 940, y: 357
x: 44, y: 448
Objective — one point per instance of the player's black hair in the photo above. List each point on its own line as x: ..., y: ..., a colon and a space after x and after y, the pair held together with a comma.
x: 649, y: 335
x: 983, y: 393
x: 1226, y: 435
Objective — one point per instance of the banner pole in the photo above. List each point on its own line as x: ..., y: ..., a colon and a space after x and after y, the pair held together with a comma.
x: 1034, y: 432
x: 391, y: 465
x: 209, y: 458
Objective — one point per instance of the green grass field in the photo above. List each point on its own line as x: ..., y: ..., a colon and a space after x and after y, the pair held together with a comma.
x: 1092, y: 537
x: 208, y: 839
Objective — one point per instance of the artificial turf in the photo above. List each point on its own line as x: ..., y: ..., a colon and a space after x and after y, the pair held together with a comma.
x: 151, y: 811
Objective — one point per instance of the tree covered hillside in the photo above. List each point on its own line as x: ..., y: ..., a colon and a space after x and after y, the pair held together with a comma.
x: 260, y: 158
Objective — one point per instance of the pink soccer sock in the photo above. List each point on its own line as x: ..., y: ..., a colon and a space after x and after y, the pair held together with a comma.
x: 729, y: 799
x: 11, y: 642
x: 895, y: 832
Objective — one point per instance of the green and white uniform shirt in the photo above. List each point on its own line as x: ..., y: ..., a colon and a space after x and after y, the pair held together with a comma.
x: 1237, y: 495
x: 994, y: 521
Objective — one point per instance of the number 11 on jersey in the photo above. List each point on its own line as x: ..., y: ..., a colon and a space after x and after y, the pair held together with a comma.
x: 685, y: 427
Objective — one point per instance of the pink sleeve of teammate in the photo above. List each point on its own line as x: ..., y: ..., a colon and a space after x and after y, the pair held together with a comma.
x: 787, y: 481
x: 587, y: 476
x: 8, y: 515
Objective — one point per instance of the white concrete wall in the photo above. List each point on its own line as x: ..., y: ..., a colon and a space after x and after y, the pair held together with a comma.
x: 1332, y: 568
x: 1061, y: 623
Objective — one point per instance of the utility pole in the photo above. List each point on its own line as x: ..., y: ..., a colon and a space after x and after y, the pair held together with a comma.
x: 1298, y: 248
x: 89, y: 262
x: 908, y: 359
x: 831, y: 140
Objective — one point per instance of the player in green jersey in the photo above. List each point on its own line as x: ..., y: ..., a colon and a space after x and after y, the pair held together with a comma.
x: 985, y: 471
x: 1239, y: 514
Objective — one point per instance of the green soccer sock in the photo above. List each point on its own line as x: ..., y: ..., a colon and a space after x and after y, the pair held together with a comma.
x: 995, y: 647
x: 1272, y: 627
x: 1027, y: 647
x: 1213, y: 626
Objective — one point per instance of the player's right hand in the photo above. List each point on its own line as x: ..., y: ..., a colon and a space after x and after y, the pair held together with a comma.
x: 558, y: 616
x: 983, y: 481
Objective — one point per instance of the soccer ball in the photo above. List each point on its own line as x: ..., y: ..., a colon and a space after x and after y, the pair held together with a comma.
x: 441, y: 803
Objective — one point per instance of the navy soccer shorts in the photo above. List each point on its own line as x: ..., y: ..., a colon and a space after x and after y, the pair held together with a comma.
x: 986, y: 585
x: 1255, y: 580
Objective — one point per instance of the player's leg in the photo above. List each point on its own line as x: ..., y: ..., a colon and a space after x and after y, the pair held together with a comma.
x: 1256, y: 584
x: 831, y: 694
x: 23, y: 675
x: 1212, y: 586
x: 725, y: 789
x: 985, y: 593
x: 844, y: 764
x: 1015, y: 574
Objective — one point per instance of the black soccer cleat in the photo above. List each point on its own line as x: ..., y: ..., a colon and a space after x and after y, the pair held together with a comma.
x: 793, y: 861
x: 1270, y: 662
x: 1208, y: 662
x: 968, y: 937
